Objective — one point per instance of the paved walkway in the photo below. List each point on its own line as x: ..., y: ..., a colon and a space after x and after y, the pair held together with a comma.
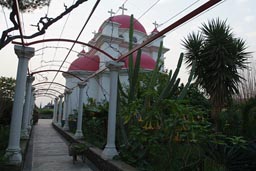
x: 49, y: 152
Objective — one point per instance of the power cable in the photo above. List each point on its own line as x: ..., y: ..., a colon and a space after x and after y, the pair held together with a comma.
x: 89, y: 17
x: 63, y: 28
x: 149, y: 9
x: 178, y: 13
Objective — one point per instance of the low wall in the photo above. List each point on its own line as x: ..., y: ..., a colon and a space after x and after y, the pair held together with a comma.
x: 94, y: 155
x: 18, y: 167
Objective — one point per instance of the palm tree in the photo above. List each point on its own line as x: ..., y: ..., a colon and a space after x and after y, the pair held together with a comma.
x: 218, y: 56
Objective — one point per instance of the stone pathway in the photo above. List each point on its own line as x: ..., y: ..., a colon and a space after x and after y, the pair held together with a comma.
x: 49, y: 152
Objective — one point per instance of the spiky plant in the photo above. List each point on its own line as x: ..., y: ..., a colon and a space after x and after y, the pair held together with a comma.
x: 218, y: 56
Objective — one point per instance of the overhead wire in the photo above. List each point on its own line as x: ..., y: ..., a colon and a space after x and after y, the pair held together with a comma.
x: 47, y: 12
x: 177, y: 14
x: 89, y: 17
x: 62, y: 31
x: 189, y: 6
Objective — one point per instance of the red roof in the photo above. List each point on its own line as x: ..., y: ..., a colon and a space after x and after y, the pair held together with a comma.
x: 155, y: 31
x: 124, y: 21
x: 85, y: 63
x: 146, y: 61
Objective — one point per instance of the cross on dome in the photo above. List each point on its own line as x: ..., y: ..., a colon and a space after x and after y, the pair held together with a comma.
x: 155, y: 24
x: 111, y: 12
x: 94, y: 32
x: 123, y: 9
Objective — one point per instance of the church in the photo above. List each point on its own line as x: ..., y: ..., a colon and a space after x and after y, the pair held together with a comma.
x: 113, y: 38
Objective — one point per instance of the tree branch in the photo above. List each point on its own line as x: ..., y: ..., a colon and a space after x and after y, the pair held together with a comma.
x: 42, y: 25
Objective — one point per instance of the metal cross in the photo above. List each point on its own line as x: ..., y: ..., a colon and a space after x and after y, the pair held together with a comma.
x: 94, y: 32
x: 123, y: 9
x: 111, y: 12
x: 155, y: 24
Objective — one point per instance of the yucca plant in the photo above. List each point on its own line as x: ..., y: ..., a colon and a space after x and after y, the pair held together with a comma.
x: 218, y: 56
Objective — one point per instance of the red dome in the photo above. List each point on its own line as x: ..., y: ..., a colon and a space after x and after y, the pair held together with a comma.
x: 124, y: 21
x: 146, y: 61
x: 155, y: 31
x: 86, y: 63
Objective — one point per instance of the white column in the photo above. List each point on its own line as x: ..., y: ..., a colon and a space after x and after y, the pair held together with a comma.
x: 13, y: 150
x: 60, y: 110
x: 26, y: 111
x: 67, y: 112
x: 64, y: 106
x: 55, y: 110
x: 32, y: 106
x: 110, y: 149
x: 79, y: 133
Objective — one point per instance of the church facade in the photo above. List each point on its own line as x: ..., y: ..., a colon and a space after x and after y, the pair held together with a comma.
x: 113, y: 38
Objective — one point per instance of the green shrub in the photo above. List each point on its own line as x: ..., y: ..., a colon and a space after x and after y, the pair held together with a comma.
x: 4, y: 136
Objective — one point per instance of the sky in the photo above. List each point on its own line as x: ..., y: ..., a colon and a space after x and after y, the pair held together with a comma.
x: 239, y: 14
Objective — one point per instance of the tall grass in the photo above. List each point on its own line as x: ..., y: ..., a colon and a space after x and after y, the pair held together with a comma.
x: 247, y: 87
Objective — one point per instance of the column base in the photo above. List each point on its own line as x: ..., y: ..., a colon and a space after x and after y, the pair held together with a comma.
x: 29, y: 128
x: 14, y: 156
x: 59, y: 124
x: 109, y: 152
x: 24, y: 135
x: 65, y: 127
x: 79, y: 134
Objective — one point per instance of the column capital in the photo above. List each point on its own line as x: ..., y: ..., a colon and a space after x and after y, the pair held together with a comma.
x: 61, y: 96
x: 30, y: 78
x: 82, y: 84
x: 114, y: 66
x: 68, y: 91
x: 24, y: 52
x: 56, y: 99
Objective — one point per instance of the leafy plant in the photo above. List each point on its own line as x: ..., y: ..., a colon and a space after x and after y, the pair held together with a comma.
x: 4, y: 135
x: 229, y: 153
x: 218, y: 56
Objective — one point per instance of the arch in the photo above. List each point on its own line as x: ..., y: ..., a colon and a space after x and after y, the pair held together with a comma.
x: 66, y: 40
x: 48, y: 89
x: 51, y: 83
x: 47, y: 94
x: 55, y: 70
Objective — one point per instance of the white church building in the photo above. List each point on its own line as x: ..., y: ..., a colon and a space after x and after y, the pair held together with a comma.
x: 113, y: 38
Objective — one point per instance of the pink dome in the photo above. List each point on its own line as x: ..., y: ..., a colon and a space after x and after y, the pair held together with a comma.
x: 146, y: 61
x: 86, y: 63
x: 124, y: 21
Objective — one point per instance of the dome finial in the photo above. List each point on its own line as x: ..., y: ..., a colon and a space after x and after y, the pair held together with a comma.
x: 111, y: 12
x: 94, y: 33
x: 155, y: 24
x: 123, y: 9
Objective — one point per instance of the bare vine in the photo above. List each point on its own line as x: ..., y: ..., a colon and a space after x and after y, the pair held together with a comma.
x: 42, y: 24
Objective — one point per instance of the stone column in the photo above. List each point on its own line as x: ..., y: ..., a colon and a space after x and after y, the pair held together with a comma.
x: 26, y: 118
x: 13, y: 150
x: 67, y: 112
x: 79, y: 133
x: 32, y: 106
x: 64, y: 107
x: 110, y: 149
x: 55, y: 110
x: 60, y: 110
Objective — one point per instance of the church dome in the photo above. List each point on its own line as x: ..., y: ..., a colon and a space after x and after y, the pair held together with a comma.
x: 85, y: 63
x: 146, y: 61
x: 124, y: 21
